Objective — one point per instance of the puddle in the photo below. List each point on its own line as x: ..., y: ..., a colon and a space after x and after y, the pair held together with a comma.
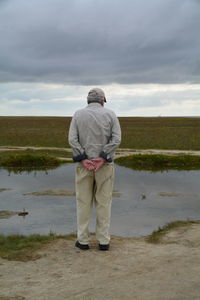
x: 142, y: 200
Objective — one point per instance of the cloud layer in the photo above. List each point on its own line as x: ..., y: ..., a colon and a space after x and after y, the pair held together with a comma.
x: 94, y: 42
x: 126, y: 100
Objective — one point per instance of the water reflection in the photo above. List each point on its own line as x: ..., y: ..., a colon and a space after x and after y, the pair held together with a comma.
x: 28, y: 170
x: 142, y: 200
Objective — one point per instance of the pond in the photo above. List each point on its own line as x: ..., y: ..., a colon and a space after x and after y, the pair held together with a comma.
x: 142, y: 200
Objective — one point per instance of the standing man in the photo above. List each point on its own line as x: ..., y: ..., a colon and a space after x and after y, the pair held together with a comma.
x: 94, y: 136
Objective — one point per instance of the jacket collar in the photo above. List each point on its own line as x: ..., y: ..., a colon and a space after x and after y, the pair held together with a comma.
x: 94, y: 104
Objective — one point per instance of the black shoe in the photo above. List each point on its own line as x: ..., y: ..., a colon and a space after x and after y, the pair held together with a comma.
x: 104, y: 247
x: 82, y: 246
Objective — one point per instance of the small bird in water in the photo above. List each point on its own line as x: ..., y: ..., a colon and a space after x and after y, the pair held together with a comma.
x: 23, y: 213
x: 143, y: 196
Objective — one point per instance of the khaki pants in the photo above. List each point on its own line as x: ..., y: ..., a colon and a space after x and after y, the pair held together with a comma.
x: 94, y: 188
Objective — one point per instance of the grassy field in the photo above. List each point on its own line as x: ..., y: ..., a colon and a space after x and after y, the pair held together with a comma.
x: 34, y: 131
x: 137, y: 133
x: 161, y: 133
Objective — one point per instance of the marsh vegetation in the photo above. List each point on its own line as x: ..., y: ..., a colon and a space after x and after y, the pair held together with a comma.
x: 20, y: 160
x: 155, y: 162
x: 137, y: 132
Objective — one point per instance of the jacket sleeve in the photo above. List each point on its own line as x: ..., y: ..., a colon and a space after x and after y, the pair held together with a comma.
x: 115, y: 140
x: 73, y: 138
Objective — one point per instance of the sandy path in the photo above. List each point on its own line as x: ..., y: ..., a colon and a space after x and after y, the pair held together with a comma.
x: 126, y: 152
x: 132, y: 269
x: 18, y: 148
x: 120, y: 152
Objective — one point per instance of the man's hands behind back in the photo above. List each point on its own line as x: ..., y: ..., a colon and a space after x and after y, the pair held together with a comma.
x: 98, y: 163
x: 88, y: 164
x: 93, y: 164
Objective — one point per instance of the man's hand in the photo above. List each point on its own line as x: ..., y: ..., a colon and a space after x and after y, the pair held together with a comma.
x: 93, y: 164
x: 88, y: 164
x: 98, y: 163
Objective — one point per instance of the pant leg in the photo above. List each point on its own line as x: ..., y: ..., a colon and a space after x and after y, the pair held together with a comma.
x: 84, y: 200
x: 104, y: 178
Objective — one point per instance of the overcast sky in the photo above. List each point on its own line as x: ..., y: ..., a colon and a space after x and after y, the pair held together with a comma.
x: 145, y: 54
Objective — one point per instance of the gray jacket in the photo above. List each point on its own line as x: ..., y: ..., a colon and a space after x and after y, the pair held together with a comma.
x: 94, y: 132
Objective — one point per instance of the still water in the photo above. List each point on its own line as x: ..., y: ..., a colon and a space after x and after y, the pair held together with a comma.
x: 144, y: 201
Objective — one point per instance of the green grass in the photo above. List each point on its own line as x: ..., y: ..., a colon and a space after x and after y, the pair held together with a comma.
x: 161, y: 133
x: 157, y: 235
x: 27, y: 160
x: 24, y: 248
x: 137, y: 133
x: 34, y: 131
x: 157, y: 162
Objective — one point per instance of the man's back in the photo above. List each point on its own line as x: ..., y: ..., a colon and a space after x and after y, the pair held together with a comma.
x: 97, y: 129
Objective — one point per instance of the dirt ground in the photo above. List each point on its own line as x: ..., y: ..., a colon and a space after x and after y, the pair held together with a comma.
x: 131, y: 269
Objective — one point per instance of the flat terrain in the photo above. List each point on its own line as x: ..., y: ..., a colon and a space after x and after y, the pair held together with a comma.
x: 132, y: 269
x: 137, y: 133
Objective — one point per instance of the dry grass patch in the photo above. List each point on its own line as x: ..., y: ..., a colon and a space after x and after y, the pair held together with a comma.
x: 157, y: 235
x: 25, y: 248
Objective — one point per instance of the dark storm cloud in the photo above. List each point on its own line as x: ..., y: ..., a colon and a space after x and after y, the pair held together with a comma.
x: 100, y: 42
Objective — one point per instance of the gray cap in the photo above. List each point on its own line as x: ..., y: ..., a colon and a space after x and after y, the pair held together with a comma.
x: 96, y: 95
